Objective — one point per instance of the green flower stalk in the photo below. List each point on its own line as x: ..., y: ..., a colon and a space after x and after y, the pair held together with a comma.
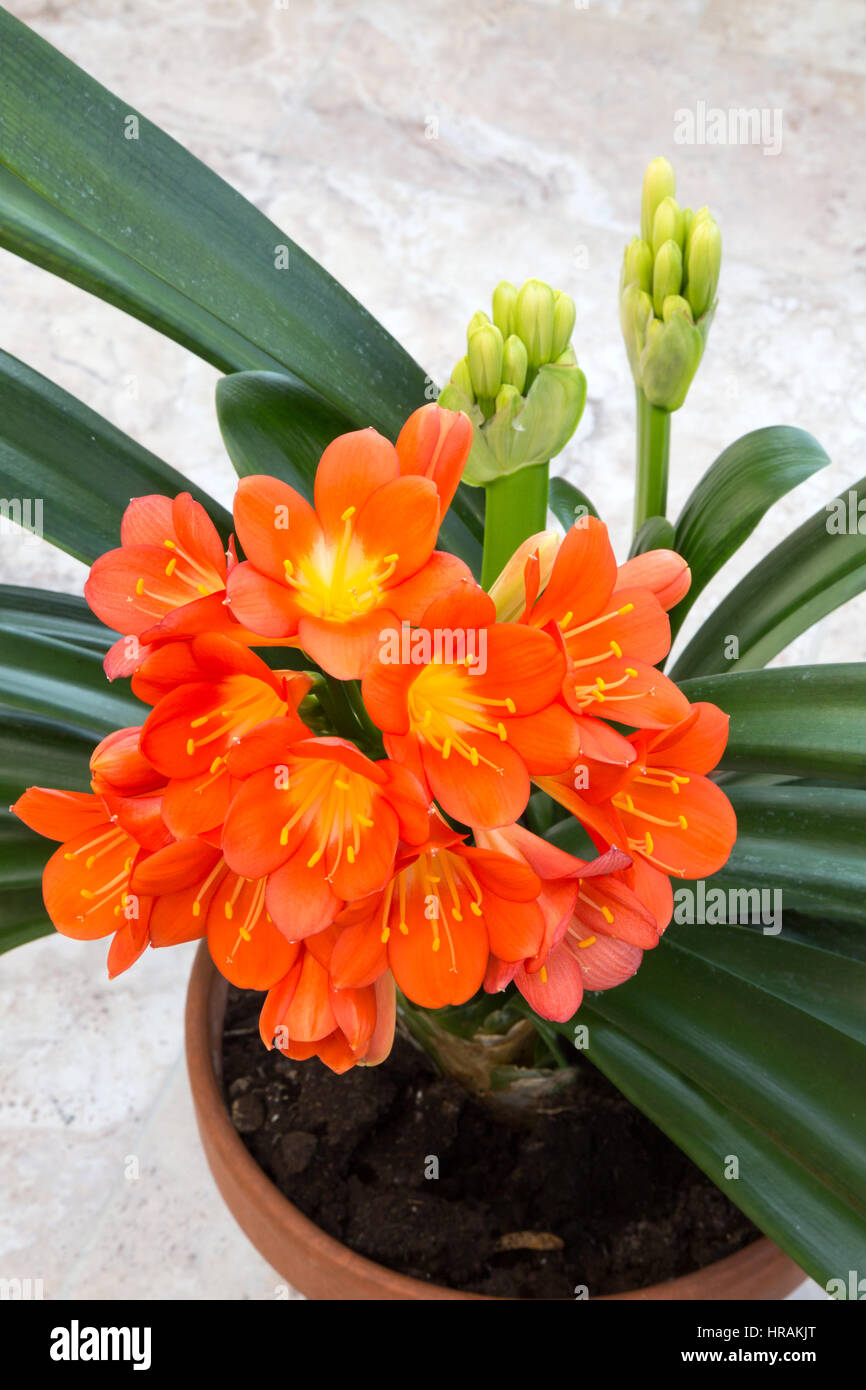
x: 667, y: 299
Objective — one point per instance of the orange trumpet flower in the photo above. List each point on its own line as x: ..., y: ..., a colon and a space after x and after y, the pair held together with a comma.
x: 596, y: 928
x: 471, y: 706
x: 362, y: 559
x: 188, y: 734
x: 166, y: 580
x: 319, y: 819
x: 613, y: 626
x: 305, y: 1016
x: 435, y: 923
x: 662, y: 809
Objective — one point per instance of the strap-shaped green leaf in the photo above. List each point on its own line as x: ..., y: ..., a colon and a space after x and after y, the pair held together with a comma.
x: 40, y: 752
x: 63, y: 617
x: 822, y: 1233
x: 805, y: 841
x: 567, y: 502
x: 113, y: 173
x: 271, y: 424
x: 733, y: 495
x: 22, y: 916
x: 793, y: 1076
x: 818, y: 567
x: 55, y: 680
x: 806, y: 721
x: 656, y: 533
x: 55, y: 450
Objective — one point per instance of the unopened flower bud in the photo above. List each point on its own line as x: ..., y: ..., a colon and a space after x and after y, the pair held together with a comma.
x: 670, y: 360
x: 478, y: 320
x: 462, y: 378
x: 514, y: 362
x: 563, y: 323
x: 675, y: 304
x: 567, y: 358
x: 485, y: 360
x: 508, y: 591
x: 704, y: 264
x: 667, y: 274
x: 508, y: 397
x: 533, y: 321
x: 637, y: 265
x: 658, y: 183
x: 635, y: 313
x: 504, y: 305
x: 668, y: 224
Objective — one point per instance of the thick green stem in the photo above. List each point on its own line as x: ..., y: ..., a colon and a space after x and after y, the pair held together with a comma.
x: 653, y: 447
x: 516, y: 508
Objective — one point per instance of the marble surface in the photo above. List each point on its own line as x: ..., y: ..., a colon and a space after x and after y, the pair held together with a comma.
x: 544, y: 115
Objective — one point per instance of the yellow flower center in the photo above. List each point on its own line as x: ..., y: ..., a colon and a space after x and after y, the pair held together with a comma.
x: 339, y: 580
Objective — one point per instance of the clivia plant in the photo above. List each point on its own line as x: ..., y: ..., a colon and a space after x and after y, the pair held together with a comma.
x: 398, y: 749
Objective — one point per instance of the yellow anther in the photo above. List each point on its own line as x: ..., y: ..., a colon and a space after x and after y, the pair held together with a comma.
x: 197, y: 723
x: 457, y: 914
x: 171, y: 566
x: 446, y: 749
x: 216, y: 765
x: 607, y: 914
x: 90, y: 861
x: 475, y: 908
x: 404, y: 929
x: 627, y: 608
x: 566, y: 618
x: 616, y: 648
x: 630, y: 671
x: 683, y: 822
x: 588, y: 941
x: 190, y: 746
x: 350, y: 854
x: 349, y: 512
x: 288, y: 567
x: 649, y: 843
x: 139, y: 587
x: 196, y: 908
x: 284, y: 835
x: 599, y: 680
x: 67, y: 855
x: 436, y: 943
x: 344, y: 786
x: 502, y: 731
x: 244, y: 934
x: 314, y: 858
x: 365, y: 821
x: 229, y: 911
x: 542, y: 974
x: 86, y: 893
x: 386, y: 932
x: 510, y: 705
x: 473, y: 756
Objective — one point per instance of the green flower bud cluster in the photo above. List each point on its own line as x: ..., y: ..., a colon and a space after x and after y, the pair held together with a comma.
x: 667, y: 294
x: 519, y: 381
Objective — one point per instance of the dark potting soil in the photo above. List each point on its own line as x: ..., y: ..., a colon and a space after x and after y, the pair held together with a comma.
x: 589, y: 1194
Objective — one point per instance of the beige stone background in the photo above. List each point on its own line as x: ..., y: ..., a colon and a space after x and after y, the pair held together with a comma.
x: 545, y: 113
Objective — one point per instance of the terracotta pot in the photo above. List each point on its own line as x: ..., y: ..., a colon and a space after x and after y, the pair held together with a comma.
x: 320, y: 1266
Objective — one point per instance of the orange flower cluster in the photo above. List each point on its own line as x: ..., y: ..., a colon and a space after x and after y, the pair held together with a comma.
x: 325, y: 876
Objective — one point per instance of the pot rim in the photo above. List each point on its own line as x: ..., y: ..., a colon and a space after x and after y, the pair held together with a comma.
x: 253, y: 1198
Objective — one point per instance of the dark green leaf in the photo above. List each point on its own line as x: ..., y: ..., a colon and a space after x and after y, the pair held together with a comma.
x: 805, y: 841
x: 82, y: 469
x: 54, y: 680
x: 733, y: 495
x: 567, y: 502
x: 657, y: 533
x: 799, y: 720
x: 817, y: 1229
x: 811, y: 573
x: 63, y: 617
x: 148, y: 199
